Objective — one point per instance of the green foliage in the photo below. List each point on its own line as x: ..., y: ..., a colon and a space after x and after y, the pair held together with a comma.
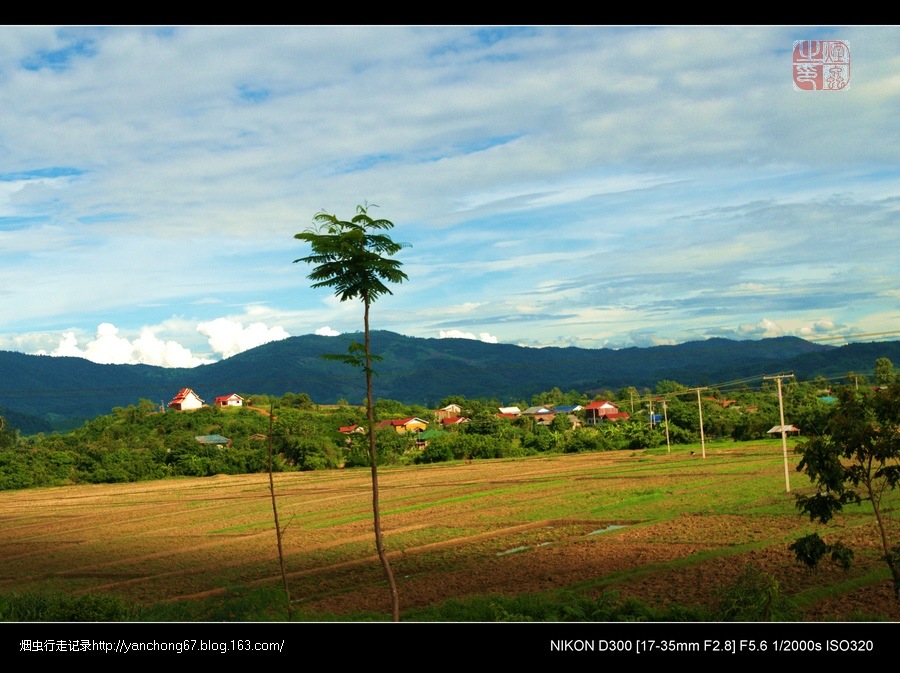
x: 8, y: 437
x: 350, y: 258
x: 297, y: 401
x: 858, y: 459
x: 810, y: 549
x: 58, y: 607
x: 439, y: 450
x: 307, y: 439
x: 563, y: 607
x: 755, y: 597
x: 583, y: 440
x: 639, y: 435
x: 666, y: 386
x: 138, y: 443
x: 884, y: 372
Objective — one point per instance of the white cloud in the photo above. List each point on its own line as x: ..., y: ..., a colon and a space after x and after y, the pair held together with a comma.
x: 154, y: 351
x: 765, y: 328
x: 568, y: 165
x: 230, y: 337
x: 457, y: 334
x: 109, y: 348
x: 327, y: 331
x: 68, y: 347
x: 818, y: 328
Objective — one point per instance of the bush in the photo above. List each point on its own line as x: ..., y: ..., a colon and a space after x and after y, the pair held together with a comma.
x: 438, y: 450
x: 584, y: 439
x: 754, y: 597
x: 810, y: 549
x: 56, y: 607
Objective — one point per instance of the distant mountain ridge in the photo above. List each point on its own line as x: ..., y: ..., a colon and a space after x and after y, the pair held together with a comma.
x: 38, y: 393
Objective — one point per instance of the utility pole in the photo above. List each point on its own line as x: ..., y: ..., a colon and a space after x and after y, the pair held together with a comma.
x: 666, y: 418
x: 700, y: 409
x: 778, y: 377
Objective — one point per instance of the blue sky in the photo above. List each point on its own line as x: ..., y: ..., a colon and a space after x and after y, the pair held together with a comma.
x: 586, y: 186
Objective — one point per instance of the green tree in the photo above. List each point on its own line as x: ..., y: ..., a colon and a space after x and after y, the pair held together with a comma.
x: 8, y: 437
x: 884, y: 371
x: 354, y: 259
x: 857, y: 458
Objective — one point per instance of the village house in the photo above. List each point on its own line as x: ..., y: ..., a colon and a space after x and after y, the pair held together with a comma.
x: 450, y: 411
x: 233, y: 400
x: 537, y: 411
x: 601, y: 410
x: 404, y: 425
x: 185, y: 400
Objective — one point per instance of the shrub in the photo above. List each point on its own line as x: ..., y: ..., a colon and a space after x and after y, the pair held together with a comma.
x: 754, y: 597
x: 810, y: 549
x: 57, y: 607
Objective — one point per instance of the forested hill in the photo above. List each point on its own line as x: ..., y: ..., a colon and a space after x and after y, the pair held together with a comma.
x: 42, y: 392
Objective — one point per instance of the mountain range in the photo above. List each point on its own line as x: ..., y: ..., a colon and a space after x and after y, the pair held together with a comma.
x: 42, y: 393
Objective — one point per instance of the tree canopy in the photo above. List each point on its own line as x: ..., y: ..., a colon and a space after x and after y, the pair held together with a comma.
x: 351, y: 257
x: 856, y: 459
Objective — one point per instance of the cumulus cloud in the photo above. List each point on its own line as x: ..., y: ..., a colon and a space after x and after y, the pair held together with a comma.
x: 108, y: 347
x: 327, y: 331
x: 458, y: 334
x: 765, y: 328
x: 155, y: 351
x: 230, y: 337
x: 818, y: 328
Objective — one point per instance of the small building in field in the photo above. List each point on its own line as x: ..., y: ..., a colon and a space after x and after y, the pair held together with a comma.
x: 354, y: 429
x: 185, y: 400
x: 218, y: 440
x: 788, y: 430
x: 233, y: 400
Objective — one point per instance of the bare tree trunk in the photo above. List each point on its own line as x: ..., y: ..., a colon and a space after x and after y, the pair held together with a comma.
x: 376, y: 508
x: 889, y: 555
x: 287, y: 592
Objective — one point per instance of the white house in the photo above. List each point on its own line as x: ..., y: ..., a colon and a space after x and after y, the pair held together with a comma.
x: 185, y: 400
x: 233, y: 400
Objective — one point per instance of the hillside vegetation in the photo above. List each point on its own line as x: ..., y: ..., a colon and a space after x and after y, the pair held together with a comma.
x: 140, y: 442
x: 48, y: 393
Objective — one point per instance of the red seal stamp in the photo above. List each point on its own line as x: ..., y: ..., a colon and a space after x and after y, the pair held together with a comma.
x: 821, y: 65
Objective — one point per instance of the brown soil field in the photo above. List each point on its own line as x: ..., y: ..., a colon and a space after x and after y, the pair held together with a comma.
x: 664, y: 528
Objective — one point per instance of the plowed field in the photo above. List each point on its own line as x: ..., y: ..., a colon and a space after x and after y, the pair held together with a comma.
x: 660, y: 527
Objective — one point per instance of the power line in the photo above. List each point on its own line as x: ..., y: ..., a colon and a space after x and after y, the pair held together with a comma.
x: 848, y: 337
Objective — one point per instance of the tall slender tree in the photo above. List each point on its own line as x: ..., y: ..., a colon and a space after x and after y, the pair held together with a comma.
x: 354, y: 258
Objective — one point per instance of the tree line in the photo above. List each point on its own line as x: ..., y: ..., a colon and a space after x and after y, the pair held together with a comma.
x: 139, y: 442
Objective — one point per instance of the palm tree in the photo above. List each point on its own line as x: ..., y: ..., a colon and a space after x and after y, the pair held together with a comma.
x: 354, y: 259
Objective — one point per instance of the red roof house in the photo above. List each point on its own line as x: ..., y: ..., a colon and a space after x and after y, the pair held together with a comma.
x: 185, y: 400
x: 598, y: 410
x: 233, y: 400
